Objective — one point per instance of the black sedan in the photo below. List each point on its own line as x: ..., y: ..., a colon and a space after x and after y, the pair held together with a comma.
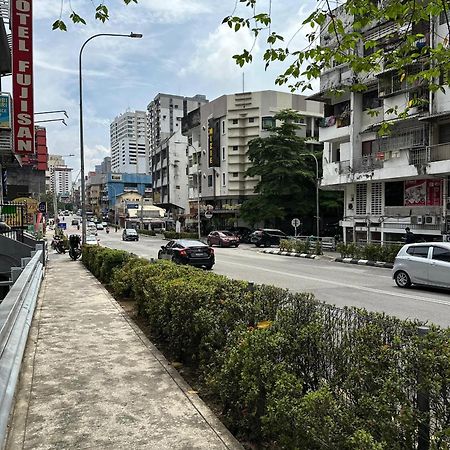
x: 183, y: 251
x: 267, y: 237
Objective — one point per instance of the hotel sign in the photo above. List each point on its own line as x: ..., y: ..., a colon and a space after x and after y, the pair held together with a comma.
x: 213, y: 143
x: 22, y: 76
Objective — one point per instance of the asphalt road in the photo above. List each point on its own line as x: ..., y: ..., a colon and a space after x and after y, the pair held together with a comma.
x: 335, y: 283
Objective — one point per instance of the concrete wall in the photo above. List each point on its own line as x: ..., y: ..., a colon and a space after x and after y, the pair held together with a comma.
x: 11, y: 252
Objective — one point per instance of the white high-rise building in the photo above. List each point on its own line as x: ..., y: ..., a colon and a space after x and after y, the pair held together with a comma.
x: 63, y: 180
x: 129, y: 143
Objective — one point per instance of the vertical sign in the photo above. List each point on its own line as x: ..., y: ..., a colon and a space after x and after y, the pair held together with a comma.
x: 214, y: 143
x: 22, y: 76
x: 5, y: 112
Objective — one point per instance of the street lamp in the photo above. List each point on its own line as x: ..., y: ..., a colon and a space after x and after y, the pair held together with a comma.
x: 317, y: 191
x: 80, y: 78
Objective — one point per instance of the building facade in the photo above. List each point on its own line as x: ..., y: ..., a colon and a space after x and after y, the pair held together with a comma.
x: 391, y: 181
x: 218, y: 136
x: 129, y: 143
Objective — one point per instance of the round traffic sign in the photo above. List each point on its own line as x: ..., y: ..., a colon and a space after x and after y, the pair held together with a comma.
x: 42, y: 207
x: 295, y: 222
x: 208, y: 214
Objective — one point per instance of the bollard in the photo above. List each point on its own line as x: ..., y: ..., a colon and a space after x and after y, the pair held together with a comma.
x: 251, y: 286
x: 152, y: 260
x: 423, y: 405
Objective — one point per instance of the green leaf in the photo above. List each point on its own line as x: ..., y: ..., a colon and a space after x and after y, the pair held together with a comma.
x: 59, y: 25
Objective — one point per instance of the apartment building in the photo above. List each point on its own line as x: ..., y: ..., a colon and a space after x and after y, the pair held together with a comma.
x: 218, y: 136
x: 390, y: 181
x: 165, y: 113
x: 129, y: 143
x: 168, y: 157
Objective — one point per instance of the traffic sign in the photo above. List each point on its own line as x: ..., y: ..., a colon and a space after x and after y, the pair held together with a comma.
x: 62, y: 225
x: 42, y: 207
x: 296, y: 222
x: 208, y: 215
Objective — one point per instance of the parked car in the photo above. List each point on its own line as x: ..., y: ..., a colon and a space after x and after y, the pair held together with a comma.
x: 105, y: 224
x: 130, y: 234
x: 223, y: 239
x: 425, y: 263
x: 92, y: 229
x: 99, y: 226
x: 243, y: 233
x: 184, y: 251
x: 267, y: 237
x: 92, y: 240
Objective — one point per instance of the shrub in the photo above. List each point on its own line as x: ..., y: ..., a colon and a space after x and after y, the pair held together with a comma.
x: 147, y: 232
x: 174, y: 235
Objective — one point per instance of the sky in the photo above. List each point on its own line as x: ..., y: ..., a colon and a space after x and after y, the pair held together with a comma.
x: 185, y: 50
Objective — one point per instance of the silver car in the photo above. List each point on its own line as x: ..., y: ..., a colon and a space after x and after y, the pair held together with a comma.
x: 426, y: 263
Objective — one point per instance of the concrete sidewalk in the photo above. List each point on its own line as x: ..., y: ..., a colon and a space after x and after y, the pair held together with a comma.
x: 91, y: 379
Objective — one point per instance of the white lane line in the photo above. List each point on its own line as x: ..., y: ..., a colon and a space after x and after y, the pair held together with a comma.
x: 346, y: 285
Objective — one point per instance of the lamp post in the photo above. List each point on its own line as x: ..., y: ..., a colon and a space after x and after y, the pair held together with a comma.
x: 80, y: 79
x: 317, y: 191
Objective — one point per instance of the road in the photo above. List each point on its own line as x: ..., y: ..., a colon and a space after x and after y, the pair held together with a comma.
x: 339, y: 284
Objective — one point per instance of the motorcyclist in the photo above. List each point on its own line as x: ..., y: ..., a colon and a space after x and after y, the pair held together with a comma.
x: 74, y: 246
x: 107, y: 229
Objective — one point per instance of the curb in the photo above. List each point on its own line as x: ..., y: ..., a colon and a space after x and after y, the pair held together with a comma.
x: 359, y: 262
x: 365, y: 262
x: 294, y: 254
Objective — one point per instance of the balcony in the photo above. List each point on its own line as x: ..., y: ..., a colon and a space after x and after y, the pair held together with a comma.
x: 418, y: 156
x: 406, y: 139
x: 439, y: 152
x: 367, y: 163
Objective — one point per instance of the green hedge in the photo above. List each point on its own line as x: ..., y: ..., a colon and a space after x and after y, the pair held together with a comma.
x: 308, y: 247
x: 289, y: 371
x: 175, y: 235
x: 371, y: 252
x: 147, y: 232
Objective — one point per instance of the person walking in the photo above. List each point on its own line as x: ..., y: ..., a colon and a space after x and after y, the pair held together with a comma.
x: 409, y: 238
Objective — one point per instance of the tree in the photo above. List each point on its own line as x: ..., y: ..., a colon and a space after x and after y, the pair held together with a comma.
x: 336, y: 38
x: 101, y: 13
x: 286, y: 179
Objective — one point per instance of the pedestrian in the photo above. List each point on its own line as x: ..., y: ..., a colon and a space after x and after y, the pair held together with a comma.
x: 409, y: 237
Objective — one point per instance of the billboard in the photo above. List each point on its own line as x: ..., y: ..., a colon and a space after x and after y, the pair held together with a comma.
x: 213, y: 143
x: 5, y: 111
x: 423, y: 193
x: 22, y: 76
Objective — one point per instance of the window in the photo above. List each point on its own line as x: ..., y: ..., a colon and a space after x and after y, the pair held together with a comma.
x: 251, y: 119
x: 235, y: 174
x: 366, y: 148
x: 210, y: 180
x: 223, y: 154
x: 376, y: 199
x: 370, y: 100
x: 441, y: 254
x: 224, y: 180
x: 268, y: 123
x: 223, y: 126
x: 235, y: 148
x: 419, y: 252
x: 235, y: 121
x: 394, y: 193
x: 361, y: 199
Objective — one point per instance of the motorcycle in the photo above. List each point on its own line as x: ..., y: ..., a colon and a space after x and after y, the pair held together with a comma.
x: 74, y: 246
x: 58, y: 245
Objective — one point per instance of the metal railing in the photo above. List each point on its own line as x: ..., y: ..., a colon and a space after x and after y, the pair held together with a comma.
x: 367, y: 163
x: 16, y: 314
x: 417, y: 156
x: 409, y: 138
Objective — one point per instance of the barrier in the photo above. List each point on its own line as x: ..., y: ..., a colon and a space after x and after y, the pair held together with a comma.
x: 16, y: 314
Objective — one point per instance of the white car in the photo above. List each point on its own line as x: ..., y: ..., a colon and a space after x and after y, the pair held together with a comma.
x: 105, y: 224
x: 426, y: 263
x: 91, y: 240
x: 99, y: 226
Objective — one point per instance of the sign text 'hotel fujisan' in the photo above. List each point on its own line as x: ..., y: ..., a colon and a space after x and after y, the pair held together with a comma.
x: 22, y: 76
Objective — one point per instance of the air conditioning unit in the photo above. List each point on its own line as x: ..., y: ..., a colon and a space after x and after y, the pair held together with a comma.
x: 430, y: 220
x: 419, y: 220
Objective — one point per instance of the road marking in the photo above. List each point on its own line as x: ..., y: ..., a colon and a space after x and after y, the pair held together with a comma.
x: 346, y: 285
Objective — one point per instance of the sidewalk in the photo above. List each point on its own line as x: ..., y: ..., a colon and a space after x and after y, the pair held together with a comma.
x: 91, y: 380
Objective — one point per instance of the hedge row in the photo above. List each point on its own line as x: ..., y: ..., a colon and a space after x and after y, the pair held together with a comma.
x: 371, y: 252
x: 308, y: 247
x: 289, y: 371
x: 175, y: 235
x: 147, y: 232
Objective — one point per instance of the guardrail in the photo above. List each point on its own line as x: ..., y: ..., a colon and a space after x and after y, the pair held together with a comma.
x: 327, y: 243
x: 16, y: 314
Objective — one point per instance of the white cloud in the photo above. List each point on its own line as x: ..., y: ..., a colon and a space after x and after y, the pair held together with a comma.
x: 213, y: 58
